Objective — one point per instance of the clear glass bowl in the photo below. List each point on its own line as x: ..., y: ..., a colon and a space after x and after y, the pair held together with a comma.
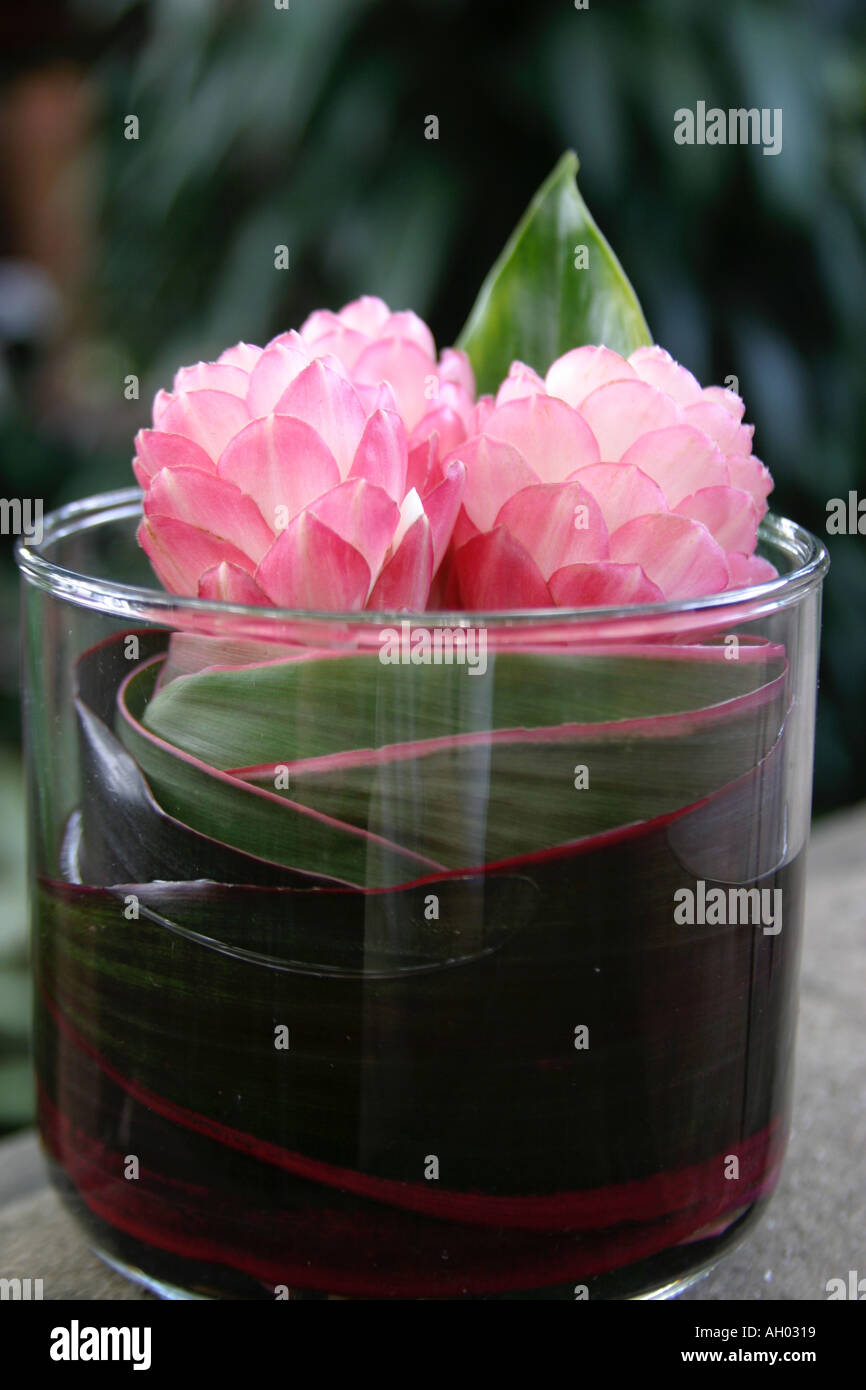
x: 377, y: 975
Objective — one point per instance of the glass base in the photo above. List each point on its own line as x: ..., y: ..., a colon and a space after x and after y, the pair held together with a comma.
x: 661, y: 1278
x: 172, y: 1293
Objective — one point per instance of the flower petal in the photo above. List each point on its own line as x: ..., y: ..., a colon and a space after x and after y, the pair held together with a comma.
x: 373, y: 398
x: 281, y: 463
x: 677, y: 554
x: 382, y: 454
x: 330, y: 404
x: 681, y: 460
x: 408, y: 371
x: 212, y: 376
x: 445, y: 427
x: 721, y: 426
x: 442, y: 505
x: 320, y: 323
x: 521, y: 381
x: 161, y: 401
x: 749, y: 473
x: 448, y: 396
x: 214, y: 504
x: 310, y: 566
x: 602, y: 583
x: 411, y: 329
x: 362, y: 514
x: 455, y: 366
x: 621, y: 411
x: 574, y: 375
x: 484, y: 408
x: 156, y: 450
x: 494, y: 571
x: 728, y: 400
x: 405, y: 579
x: 228, y: 584
x: 410, y: 509
x: 343, y: 344
x: 243, y: 355
x: 181, y: 553
x: 366, y: 314
x: 729, y: 514
x: 656, y: 366
x: 274, y: 372
x: 749, y: 569
x: 292, y: 342
x: 424, y: 468
x: 209, y: 418
x: 622, y: 491
x: 553, y: 439
x: 557, y: 524
x: 494, y: 471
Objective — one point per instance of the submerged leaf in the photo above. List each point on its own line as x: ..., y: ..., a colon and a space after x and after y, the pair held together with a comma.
x: 423, y: 768
x: 307, y: 708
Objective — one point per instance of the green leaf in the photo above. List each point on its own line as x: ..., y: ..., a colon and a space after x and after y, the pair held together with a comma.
x: 422, y: 767
x: 486, y: 800
x: 535, y: 304
x: 285, y: 710
x: 251, y: 819
x: 533, y: 803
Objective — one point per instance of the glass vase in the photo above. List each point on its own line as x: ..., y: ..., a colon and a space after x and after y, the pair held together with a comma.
x: 401, y: 956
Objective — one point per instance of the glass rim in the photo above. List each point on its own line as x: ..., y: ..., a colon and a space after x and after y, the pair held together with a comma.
x: 130, y: 600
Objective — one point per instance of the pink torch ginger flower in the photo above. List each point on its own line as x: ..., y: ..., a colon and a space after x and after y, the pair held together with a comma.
x: 611, y: 481
x: 337, y: 468
x: 274, y: 476
x: 435, y: 399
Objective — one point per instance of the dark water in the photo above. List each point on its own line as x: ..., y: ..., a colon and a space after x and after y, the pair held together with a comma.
x: 432, y: 1130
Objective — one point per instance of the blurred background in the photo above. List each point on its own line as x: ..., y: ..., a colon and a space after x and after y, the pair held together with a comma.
x: 304, y: 126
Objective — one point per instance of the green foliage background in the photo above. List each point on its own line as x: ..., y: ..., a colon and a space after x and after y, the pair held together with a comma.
x: 305, y: 126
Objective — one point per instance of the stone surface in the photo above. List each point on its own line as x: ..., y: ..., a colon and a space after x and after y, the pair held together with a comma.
x: 815, y: 1228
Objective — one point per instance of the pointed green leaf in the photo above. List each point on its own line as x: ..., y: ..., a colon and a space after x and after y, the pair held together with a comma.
x: 538, y: 301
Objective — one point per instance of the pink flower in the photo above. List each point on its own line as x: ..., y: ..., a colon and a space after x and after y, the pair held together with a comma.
x: 271, y: 477
x: 337, y: 467
x: 611, y: 481
x: 434, y: 398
